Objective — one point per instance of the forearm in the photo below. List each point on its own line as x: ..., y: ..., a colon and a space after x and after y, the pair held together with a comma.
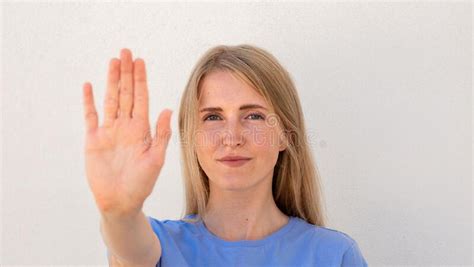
x: 130, y: 238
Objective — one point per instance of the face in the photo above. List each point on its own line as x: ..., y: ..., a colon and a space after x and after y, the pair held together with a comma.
x: 234, y: 120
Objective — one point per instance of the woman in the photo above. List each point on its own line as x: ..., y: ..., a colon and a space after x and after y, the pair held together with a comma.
x: 253, y: 194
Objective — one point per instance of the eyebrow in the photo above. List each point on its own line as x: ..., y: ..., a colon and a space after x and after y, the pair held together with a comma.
x: 247, y: 106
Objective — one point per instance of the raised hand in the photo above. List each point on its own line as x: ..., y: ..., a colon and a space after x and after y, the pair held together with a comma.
x: 122, y: 160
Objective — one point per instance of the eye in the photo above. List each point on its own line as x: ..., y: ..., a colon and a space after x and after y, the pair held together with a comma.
x: 258, y: 116
x: 213, y: 117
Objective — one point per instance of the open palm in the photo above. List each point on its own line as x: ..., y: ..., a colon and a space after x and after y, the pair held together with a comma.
x: 122, y: 160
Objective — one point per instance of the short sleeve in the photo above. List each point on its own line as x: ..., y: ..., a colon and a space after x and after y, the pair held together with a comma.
x: 353, y: 257
x: 107, y: 256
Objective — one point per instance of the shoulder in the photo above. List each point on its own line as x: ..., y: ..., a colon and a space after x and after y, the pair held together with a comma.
x: 179, y: 240
x: 325, y: 236
x: 329, y: 241
x: 332, y: 237
x: 172, y: 227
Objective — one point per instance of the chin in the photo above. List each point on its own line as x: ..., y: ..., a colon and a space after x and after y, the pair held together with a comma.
x: 231, y: 182
x: 234, y: 182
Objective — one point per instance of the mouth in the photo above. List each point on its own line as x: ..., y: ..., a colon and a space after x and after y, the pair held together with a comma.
x: 234, y: 162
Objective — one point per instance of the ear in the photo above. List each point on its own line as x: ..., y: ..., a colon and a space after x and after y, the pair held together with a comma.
x: 283, y: 141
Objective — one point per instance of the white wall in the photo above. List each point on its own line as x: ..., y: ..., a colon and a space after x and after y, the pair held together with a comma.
x: 385, y: 87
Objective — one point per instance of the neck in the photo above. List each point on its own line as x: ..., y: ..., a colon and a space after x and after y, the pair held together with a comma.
x: 243, y: 215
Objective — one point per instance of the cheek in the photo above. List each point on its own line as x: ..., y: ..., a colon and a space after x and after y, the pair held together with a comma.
x: 206, y: 139
x: 258, y: 137
x: 263, y: 138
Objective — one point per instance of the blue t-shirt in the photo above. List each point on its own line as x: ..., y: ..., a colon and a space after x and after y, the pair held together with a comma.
x: 297, y: 243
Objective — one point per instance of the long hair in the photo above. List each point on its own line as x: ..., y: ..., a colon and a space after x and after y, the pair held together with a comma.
x: 296, y: 184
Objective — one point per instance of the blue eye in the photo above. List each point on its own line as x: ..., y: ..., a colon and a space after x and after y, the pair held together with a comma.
x: 212, y: 115
x: 257, y: 116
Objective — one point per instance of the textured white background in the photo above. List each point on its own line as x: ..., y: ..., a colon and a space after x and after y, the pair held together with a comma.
x: 385, y: 87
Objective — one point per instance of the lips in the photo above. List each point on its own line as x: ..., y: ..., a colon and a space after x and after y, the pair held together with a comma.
x: 234, y: 161
x: 229, y: 158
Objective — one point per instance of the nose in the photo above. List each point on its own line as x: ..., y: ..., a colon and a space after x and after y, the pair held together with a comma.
x: 232, y: 134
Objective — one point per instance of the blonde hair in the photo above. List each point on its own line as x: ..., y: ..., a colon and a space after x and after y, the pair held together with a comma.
x: 296, y: 184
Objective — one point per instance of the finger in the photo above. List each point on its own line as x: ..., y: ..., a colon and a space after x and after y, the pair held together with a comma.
x: 111, y: 97
x: 90, y: 113
x: 126, y: 84
x: 140, y: 89
x: 162, y: 137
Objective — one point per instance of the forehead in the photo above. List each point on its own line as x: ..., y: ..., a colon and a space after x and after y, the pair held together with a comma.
x: 222, y: 88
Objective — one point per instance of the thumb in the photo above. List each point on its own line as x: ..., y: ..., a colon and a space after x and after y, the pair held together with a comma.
x: 162, y: 136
